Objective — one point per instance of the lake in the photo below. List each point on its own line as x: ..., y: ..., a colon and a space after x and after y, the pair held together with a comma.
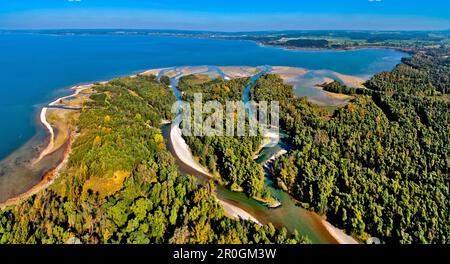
x: 36, y: 68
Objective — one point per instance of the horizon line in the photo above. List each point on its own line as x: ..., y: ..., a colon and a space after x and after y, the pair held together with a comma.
x: 223, y: 31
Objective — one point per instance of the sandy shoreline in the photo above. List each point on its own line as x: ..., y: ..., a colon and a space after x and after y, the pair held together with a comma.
x: 48, y: 126
x: 236, y: 212
x: 181, y: 149
x: 49, y: 177
x: 46, y: 151
x: 351, y: 80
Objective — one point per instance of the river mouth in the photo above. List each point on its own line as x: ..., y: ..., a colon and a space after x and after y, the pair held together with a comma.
x: 290, y: 214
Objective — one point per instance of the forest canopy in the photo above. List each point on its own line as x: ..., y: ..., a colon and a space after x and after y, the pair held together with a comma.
x: 121, y: 185
x: 380, y: 165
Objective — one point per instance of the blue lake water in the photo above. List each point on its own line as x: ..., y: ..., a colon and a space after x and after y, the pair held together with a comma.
x: 35, y: 68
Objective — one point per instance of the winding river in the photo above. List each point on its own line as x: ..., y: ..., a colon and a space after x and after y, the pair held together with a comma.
x: 288, y: 215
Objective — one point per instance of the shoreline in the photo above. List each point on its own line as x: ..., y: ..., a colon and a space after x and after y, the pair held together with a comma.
x: 262, y: 44
x: 181, y: 149
x: 49, y: 177
x: 43, y: 119
x: 407, y: 51
x: 175, y: 131
x: 236, y: 212
x: 50, y: 145
x: 45, y: 182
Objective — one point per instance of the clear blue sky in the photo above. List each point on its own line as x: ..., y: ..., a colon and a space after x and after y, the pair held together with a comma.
x: 226, y: 15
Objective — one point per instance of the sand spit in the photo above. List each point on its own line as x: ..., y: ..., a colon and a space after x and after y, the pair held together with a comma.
x: 351, y: 81
x: 43, y: 118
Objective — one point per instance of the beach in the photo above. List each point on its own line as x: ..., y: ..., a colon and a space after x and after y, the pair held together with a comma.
x: 338, y: 234
x: 237, y: 213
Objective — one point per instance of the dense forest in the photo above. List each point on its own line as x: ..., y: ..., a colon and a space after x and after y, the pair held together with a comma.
x: 380, y: 165
x: 422, y: 75
x: 308, y: 43
x: 212, y: 88
x: 121, y: 185
x: 270, y: 87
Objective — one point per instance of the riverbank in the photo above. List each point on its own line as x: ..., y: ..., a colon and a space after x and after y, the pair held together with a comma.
x: 45, y: 182
x: 181, y: 149
x: 338, y: 234
x: 237, y: 213
x: 183, y: 154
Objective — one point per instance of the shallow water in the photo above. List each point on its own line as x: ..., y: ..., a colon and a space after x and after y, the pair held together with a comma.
x: 306, y: 85
x: 37, y: 68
